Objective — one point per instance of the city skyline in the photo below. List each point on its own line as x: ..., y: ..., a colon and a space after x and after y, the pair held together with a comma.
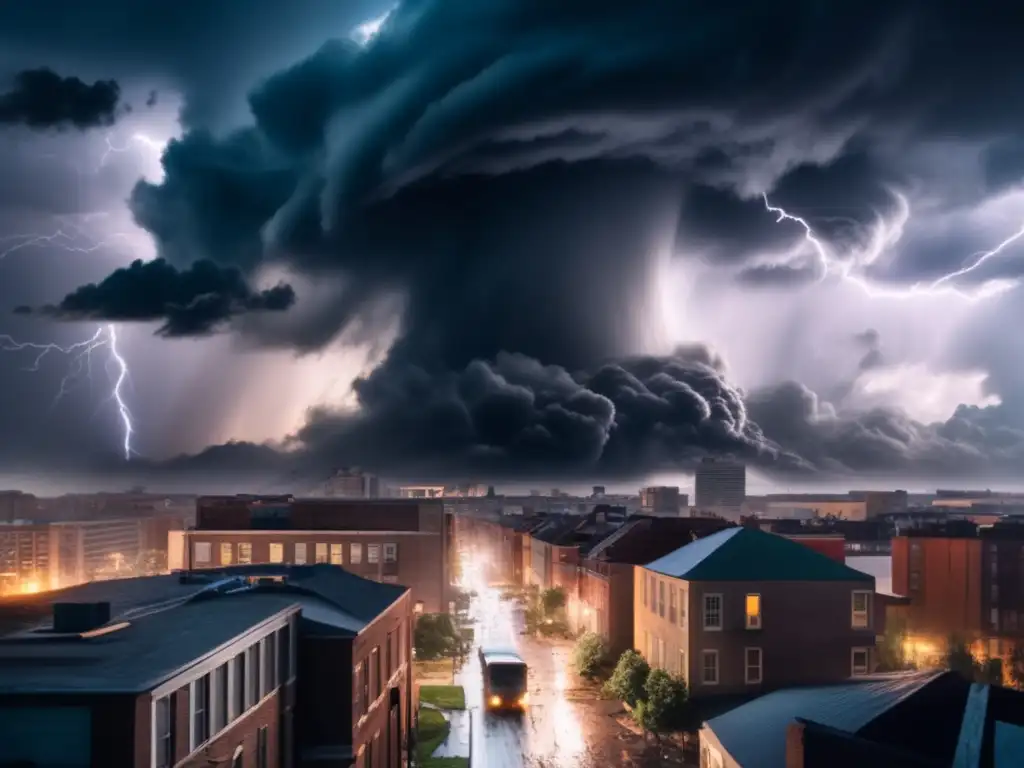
x: 513, y: 256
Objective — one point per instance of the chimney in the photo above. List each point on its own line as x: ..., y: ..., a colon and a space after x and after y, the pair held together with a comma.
x: 75, y: 618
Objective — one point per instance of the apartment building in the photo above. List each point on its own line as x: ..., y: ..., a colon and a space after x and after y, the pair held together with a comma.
x: 719, y: 484
x: 964, y: 580
x: 742, y: 611
x: 395, y: 541
x: 255, y: 667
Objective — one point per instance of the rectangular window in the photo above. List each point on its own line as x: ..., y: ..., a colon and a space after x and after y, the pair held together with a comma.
x: 375, y: 686
x: 709, y: 668
x: 336, y: 558
x: 376, y: 746
x: 355, y: 553
x: 199, y: 708
x: 373, y: 553
x: 672, y: 604
x: 861, y: 618
x: 238, y: 704
x: 915, y: 581
x: 284, y: 651
x: 647, y: 646
x: 753, y: 605
x: 712, y: 613
x: 276, y: 552
x: 364, y: 676
x: 389, y: 656
x: 662, y: 660
x: 269, y: 664
x: 252, y: 686
x: 390, y: 553
x: 682, y: 607
x: 860, y: 661
x: 683, y: 671
x: 164, y: 733
x: 262, y: 752
x: 752, y: 667
x: 203, y: 554
x: 321, y: 552
x: 227, y: 553
x: 244, y: 553
x: 300, y: 553
x: 221, y: 696
x: 994, y: 618
x: 661, y: 598
x: 646, y: 584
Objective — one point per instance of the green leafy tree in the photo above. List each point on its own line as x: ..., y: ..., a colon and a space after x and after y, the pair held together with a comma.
x: 437, y: 637
x: 552, y: 601
x: 958, y: 659
x: 1016, y: 670
x: 589, y: 654
x: 664, y: 706
x: 628, y: 680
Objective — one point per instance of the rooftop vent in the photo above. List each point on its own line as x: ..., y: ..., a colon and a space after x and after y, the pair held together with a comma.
x: 72, y: 618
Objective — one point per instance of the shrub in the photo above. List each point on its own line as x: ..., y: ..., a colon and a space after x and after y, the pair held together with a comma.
x: 552, y: 600
x: 589, y: 654
x: 628, y: 680
x: 664, y: 706
x: 436, y: 637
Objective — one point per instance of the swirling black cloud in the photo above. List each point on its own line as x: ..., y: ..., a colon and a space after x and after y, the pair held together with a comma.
x: 42, y: 99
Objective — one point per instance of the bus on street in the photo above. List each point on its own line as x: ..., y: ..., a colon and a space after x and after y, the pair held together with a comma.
x: 504, y: 674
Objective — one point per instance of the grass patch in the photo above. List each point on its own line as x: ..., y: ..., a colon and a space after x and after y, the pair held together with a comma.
x: 433, y: 729
x: 444, y: 696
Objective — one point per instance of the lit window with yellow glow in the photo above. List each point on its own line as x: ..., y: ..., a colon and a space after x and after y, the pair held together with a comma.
x: 753, y: 611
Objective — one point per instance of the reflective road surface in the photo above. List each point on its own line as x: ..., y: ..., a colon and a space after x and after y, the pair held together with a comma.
x: 555, y: 732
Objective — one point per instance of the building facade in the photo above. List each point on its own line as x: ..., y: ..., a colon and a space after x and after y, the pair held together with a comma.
x: 408, y: 542
x: 743, y: 611
x: 719, y: 484
x: 663, y: 500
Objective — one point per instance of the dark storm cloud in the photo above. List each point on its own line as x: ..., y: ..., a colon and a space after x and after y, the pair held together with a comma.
x: 41, y: 99
x: 190, y: 302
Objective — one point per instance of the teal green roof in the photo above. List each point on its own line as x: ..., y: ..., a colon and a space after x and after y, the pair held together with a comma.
x: 750, y: 554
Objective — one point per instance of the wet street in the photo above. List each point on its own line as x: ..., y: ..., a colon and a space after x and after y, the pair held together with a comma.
x: 556, y: 731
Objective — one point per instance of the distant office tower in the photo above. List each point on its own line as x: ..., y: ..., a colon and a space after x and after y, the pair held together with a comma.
x: 353, y: 483
x: 720, y: 483
x: 598, y: 491
x: 662, y: 500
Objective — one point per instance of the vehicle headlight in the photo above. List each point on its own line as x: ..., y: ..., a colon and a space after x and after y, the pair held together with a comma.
x: 495, y: 701
x: 524, y: 699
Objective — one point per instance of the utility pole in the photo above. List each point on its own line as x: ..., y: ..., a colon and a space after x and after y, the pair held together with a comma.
x: 470, y: 759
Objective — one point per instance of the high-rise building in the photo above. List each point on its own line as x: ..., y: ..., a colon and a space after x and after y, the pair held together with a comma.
x: 662, y: 500
x: 353, y: 483
x: 720, y: 484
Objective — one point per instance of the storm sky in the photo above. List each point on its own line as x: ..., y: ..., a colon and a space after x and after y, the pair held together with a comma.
x: 516, y: 239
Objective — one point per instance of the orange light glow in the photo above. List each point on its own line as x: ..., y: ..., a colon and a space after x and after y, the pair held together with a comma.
x: 30, y: 587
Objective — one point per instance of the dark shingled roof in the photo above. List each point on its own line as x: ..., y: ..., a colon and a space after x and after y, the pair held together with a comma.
x: 750, y: 554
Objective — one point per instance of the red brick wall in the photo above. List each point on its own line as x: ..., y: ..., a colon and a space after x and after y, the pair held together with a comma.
x: 832, y: 547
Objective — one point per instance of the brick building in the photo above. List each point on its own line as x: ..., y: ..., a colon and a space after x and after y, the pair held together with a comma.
x: 399, y: 541
x: 255, y: 667
x: 743, y: 611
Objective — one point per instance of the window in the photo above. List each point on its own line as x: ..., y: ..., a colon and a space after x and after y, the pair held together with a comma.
x: 861, y: 618
x: 244, y: 553
x: 355, y: 553
x: 672, y: 604
x: 221, y: 696
x: 682, y: 607
x: 682, y: 665
x: 199, y: 703
x: 709, y: 668
x: 661, y: 598
x: 321, y: 552
x: 753, y: 611
x: 860, y: 661
x: 647, y: 646
x: 276, y: 552
x: 375, y: 686
x: 752, y: 667
x: 284, y: 654
x: 390, y: 553
x: 364, y: 687
x: 662, y: 660
x: 202, y: 552
x: 262, y: 753
x: 712, y: 613
x: 915, y: 581
x: 336, y: 558
x: 252, y: 665
x: 300, y: 553
x: 646, y: 598
x: 418, y: 607
x: 238, y: 704
x: 357, y: 690
x: 375, y: 747
x: 994, y: 618
x: 227, y: 554
x: 373, y: 553
x: 389, y: 656
x: 269, y: 663
x: 163, y: 733
x: 654, y: 594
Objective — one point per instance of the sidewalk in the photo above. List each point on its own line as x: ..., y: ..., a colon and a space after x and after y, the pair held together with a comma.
x: 456, y: 743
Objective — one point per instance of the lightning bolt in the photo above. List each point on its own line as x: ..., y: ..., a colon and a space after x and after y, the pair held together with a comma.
x: 831, y: 265
x: 80, y: 363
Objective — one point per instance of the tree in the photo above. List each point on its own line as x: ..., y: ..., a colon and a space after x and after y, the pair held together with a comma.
x: 1016, y: 670
x: 663, y: 708
x: 892, y: 655
x: 958, y: 658
x: 436, y: 637
x: 628, y: 680
x: 589, y: 654
x: 552, y: 601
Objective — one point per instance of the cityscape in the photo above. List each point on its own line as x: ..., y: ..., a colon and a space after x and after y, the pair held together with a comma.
x: 511, y: 384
